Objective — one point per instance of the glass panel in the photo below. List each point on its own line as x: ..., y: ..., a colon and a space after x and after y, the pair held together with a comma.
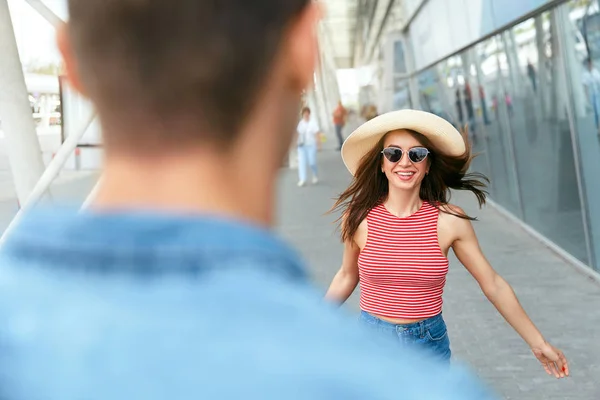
x: 582, y: 55
x: 535, y: 99
x: 399, y: 59
x: 488, y: 66
x: 401, y: 94
x: 433, y: 93
x: 475, y: 108
x: 447, y: 90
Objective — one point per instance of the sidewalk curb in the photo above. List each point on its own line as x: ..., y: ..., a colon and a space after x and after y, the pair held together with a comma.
x: 577, y: 265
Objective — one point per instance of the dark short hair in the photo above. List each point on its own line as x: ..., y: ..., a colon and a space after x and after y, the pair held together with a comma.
x: 203, y: 61
x: 305, y: 110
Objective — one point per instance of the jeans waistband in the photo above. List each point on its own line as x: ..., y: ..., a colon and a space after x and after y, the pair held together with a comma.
x: 421, y: 324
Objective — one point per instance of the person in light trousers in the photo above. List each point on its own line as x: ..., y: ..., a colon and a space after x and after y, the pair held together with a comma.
x: 308, y: 134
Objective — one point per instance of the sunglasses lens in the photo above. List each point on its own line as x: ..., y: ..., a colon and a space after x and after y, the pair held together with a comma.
x: 392, y: 154
x: 417, y: 154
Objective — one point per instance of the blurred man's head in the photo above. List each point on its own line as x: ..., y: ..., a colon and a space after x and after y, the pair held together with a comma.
x: 197, y: 67
x: 169, y: 78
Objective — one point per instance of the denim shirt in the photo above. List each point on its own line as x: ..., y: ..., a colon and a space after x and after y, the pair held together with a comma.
x: 133, y: 305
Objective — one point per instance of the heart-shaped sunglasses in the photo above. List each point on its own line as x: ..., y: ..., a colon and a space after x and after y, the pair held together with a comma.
x: 416, y: 154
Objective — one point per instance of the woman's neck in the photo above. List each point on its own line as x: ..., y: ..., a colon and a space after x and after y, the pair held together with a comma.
x: 403, y: 203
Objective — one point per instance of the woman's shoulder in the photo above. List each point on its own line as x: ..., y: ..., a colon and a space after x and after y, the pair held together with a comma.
x: 452, y: 214
x: 453, y: 218
x: 362, y: 222
x: 451, y: 210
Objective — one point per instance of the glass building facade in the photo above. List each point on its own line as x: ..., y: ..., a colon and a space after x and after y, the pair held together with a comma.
x: 529, y: 90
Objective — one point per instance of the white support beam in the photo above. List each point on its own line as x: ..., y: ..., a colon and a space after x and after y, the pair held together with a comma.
x: 45, y: 12
x: 50, y: 173
x: 22, y: 143
x: 92, y: 196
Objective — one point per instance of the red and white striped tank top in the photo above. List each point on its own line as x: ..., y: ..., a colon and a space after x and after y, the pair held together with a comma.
x: 402, y: 268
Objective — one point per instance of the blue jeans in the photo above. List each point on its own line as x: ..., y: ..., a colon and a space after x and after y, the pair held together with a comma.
x: 338, y: 133
x: 429, y: 335
x: 307, y: 157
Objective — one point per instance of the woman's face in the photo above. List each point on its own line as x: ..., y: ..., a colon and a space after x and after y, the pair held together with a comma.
x: 306, y: 115
x: 404, y: 174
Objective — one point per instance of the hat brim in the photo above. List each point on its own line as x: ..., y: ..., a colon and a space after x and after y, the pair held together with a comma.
x: 442, y: 134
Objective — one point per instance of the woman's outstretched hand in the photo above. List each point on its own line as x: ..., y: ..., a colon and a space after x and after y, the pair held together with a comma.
x: 553, y: 360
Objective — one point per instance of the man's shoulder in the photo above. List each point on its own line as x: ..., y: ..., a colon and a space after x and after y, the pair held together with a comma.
x: 313, y: 344
x: 288, y: 330
x: 173, y: 322
x: 230, y: 334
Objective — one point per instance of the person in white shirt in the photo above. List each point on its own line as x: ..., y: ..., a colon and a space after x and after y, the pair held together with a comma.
x: 308, y: 132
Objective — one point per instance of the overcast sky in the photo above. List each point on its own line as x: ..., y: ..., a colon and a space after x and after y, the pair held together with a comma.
x: 35, y: 36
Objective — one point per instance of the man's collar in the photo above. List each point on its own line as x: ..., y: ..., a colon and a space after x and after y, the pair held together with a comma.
x: 118, y: 236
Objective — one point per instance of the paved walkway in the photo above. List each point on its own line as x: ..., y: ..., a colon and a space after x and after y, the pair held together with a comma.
x: 561, y: 301
x: 71, y: 187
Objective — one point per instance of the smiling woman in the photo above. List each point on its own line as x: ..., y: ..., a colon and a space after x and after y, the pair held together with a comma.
x: 434, y: 175
x: 398, y: 228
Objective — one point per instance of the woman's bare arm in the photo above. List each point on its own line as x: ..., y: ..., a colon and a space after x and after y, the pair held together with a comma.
x: 346, y: 279
x: 502, y: 296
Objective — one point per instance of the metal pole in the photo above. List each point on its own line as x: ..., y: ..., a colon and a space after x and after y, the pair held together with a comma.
x: 92, y: 196
x: 23, y: 146
x: 49, y: 174
x: 45, y: 12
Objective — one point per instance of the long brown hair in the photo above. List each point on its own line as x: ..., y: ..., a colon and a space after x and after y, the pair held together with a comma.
x: 369, y: 187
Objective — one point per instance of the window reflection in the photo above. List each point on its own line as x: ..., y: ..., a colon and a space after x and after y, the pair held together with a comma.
x: 531, y: 98
x: 582, y: 55
x: 536, y: 101
x: 453, y: 92
x: 489, y: 60
x: 433, y: 93
x: 401, y: 94
x: 399, y: 58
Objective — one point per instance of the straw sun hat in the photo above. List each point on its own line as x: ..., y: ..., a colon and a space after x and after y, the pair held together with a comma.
x: 439, y: 131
